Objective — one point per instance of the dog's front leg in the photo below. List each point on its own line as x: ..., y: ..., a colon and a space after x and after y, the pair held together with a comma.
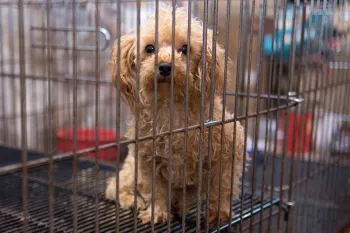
x: 224, y: 195
x: 160, y: 203
x: 126, y: 186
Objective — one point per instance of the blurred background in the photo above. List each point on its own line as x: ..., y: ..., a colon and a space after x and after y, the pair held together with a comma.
x: 294, y: 104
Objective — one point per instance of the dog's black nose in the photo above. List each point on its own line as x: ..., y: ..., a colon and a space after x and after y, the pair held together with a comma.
x: 165, y: 68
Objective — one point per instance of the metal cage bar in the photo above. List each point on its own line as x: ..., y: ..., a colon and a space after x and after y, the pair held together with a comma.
x: 64, y: 128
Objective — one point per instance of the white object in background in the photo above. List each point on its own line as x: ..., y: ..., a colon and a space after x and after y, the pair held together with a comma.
x: 253, y: 78
x: 325, y: 129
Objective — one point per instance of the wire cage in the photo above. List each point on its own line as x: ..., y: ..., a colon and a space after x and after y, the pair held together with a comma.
x: 63, y: 123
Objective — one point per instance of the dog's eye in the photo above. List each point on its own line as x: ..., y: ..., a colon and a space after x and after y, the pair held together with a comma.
x: 149, y: 49
x: 183, y: 49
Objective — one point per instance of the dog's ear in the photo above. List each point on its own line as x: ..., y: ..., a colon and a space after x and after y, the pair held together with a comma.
x: 127, y: 68
x: 219, y: 67
x: 127, y: 64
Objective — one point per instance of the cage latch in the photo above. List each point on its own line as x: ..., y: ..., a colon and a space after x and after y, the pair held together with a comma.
x: 286, y: 206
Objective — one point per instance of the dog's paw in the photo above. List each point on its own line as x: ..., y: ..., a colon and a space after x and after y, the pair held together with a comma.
x: 127, y: 200
x: 160, y: 215
x: 126, y: 196
x: 110, y: 192
x: 213, y: 216
x: 179, y: 208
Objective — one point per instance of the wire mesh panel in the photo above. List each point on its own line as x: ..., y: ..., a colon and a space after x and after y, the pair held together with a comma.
x: 174, y: 116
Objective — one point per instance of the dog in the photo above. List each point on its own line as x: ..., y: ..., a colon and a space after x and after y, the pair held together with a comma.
x: 226, y: 146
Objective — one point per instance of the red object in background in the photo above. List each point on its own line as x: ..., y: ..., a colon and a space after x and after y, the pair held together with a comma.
x: 335, y: 45
x: 301, y: 132
x: 86, y: 138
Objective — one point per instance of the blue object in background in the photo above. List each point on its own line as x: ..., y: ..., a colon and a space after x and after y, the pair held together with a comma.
x: 259, y: 156
x: 317, y: 19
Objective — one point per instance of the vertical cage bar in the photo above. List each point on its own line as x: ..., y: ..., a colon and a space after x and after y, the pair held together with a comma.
x: 321, y: 115
x: 23, y: 95
x: 257, y: 118
x: 3, y: 82
x: 268, y: 115
x: 286, y: 114
x: 189, y: 19
x: 302, y: 128
x: 75, y: 118
x: 118, y: 98
x: 202, y: 112
x: 337, y: 90
x: 275, y: 31
x: 155, y: 111
x: 325, y: 153
x: 171, y: 125
x: 34, y: 92
x: 67, y: 64
x: 137, y: 110
x: 330, y: 162
x: 44, y: 72
x: 227, y: 35
x: 317, y: 115
x: 267, y: 146
x: 245, y: 31
x: 307, y: 86
x: 246, y: 119
x: 211, y: 112
x: 50, y: 116
x: 97, y: 117
x: 296, y: 112
x: 262, y: 15
x: 340, y: 97
x: 239, y: 52
x: 337, y: 162
x: 345, y: 109
x: 11, y: 35
x: 312, y: 95
x: 305, y: 92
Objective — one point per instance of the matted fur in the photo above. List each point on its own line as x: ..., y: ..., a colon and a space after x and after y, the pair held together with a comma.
x: 145, y: 112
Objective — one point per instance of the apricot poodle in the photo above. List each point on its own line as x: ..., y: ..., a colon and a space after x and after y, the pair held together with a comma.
x: 145, y: 111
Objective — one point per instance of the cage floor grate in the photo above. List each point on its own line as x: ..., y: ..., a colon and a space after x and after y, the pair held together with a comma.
x: 11, y: 215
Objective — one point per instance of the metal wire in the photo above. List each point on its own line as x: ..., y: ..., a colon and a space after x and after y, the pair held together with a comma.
x: 329, y: 95
x: 137, y: 117
x: 171, y: 122
x: 314, y: 110
x: 52, y: 79
x: 286, y: 114
x: 202, y: 111
x: 23, y: 117
x: 155, y: 110
x: 267, y: 142
x: 3, y: 109
x: 302, y: 127
x: 97, y: 118
x: 228, y: 14
x: 211, y: 113
x: 79, y: 153
x: 259, y: 69
x: 236, y: 103
x: 50, y: 116
x: 75, y: 120
x: 118, y: 103
x: 12, y: 70
x: 258, y: 87
x: 276, y: 24
x: 250, y: 48
x: 184, y: 204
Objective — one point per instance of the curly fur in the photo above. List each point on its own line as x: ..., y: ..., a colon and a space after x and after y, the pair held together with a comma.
x: 128, y: 58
